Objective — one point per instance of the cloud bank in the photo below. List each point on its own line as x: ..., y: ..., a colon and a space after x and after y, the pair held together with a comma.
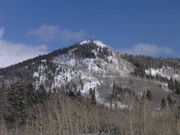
x: 148, y: 49
x: 52, y: 32
x: 11, y: 53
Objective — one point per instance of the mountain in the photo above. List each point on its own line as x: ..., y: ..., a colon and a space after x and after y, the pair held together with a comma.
x: 89, y: 88
x: 90, y: 67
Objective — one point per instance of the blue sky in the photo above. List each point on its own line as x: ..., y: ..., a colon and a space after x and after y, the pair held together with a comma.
x: 143, y: 27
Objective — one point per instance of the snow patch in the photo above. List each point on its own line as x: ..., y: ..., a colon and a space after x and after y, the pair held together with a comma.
x: 85, y: 42
x: 97, y: 42
x: 40, y: 76
x: 90, y: 63
x: 176, y: 76
x: 89, y: 83
x: 44, y: 60
x: 67, y: 59
x: 95, y: 52
x: 158, y: 71
x: 62, y: 76
x: 35, y: 74
x: 116, y: 105
x: 165, y: 87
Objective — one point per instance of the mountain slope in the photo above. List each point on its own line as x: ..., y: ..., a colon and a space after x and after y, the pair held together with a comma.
x: 91, y: 67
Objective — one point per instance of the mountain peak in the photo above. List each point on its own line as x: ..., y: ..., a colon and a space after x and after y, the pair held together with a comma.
x: 96, y: 42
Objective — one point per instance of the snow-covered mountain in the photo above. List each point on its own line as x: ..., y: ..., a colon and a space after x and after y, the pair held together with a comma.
x: 90, y: 65
x: 86, y: 71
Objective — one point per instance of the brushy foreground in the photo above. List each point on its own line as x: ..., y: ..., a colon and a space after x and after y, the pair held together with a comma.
x: 64, y: 115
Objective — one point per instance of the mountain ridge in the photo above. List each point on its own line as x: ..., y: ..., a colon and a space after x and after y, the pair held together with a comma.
x: 89, y: 65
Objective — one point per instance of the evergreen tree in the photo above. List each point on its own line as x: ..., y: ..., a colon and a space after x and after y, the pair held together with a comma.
x: 163, y: 103
x: 171, y: 84
x: 93, y: 95
x: 41, y: 94
x: 71, y: 93
x: 81, y: 83
x: 30, y: 94
x: 177, y: 87
x: 170, y: 100
x: 149, y: 95
x: 114, y: 92
x: 78, y: 94
x: 17, y: 101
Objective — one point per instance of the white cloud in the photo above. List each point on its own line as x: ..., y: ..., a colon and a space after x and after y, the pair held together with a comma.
x: 11, y: 53
x: 51, y: 32
x: 149, y: 49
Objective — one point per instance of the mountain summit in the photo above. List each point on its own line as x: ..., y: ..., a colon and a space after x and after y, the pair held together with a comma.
x: 90, y: 41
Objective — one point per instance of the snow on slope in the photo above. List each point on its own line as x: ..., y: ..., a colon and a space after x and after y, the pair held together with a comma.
x: 40, y: 76
x: 116, y: 104
x: 158, y: 71
x: 90, y: 83
x: 97, y: 42
x: 63, y: 76
x: 167, y: 72
x: 71, y: 68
